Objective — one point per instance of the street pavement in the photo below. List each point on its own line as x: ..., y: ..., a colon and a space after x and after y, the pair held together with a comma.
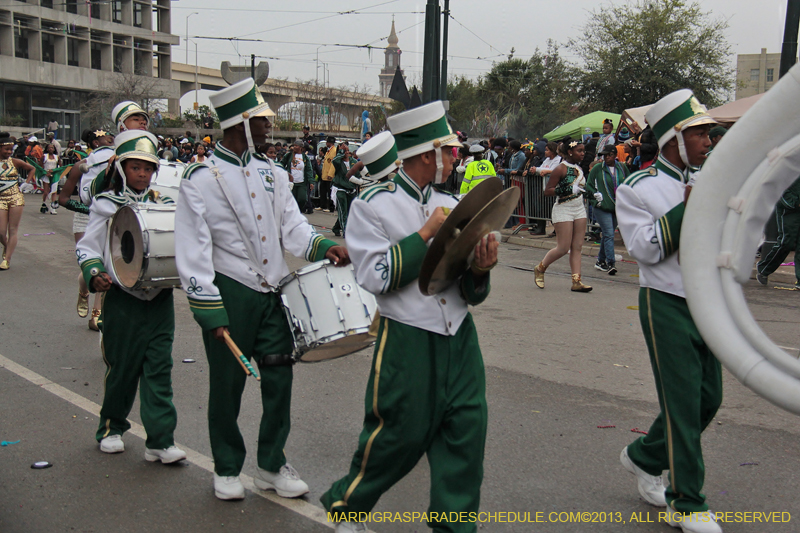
x: 558, y: 364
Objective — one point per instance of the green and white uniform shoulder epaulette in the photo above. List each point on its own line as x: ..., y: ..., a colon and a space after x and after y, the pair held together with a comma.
x: 371, y: 191
x: 194, y: 167
x: 117, y: 199
x: 637, y: 176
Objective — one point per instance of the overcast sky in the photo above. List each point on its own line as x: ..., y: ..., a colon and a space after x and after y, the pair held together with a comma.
x: 481, y: 32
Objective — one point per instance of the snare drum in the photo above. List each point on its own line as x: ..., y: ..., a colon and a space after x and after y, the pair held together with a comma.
x: 328, y: 313
x: 141, y: 244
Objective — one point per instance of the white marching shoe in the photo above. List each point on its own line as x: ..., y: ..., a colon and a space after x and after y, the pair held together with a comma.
x: 286, y: 482
x: 173, y: 454
x: 651, y: 488
x: 705, y: 522
x: 350, y: 527
x: 112, y: 444
x: 228, y: 487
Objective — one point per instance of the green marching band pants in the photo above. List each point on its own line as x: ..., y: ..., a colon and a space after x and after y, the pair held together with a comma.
x: 426, y: 394
x: 137, y: 350
x: 689, y: 384
x: 788, y: 221
x: 300, y: 194
x: 259, y: 327
x: 343, y: 201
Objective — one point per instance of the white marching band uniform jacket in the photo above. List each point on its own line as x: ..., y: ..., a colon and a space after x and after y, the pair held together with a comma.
x: 207, y: 236
x: 91, y: 250
x: 650, y: 212
x: 387, y: 253
x: 97, y: 163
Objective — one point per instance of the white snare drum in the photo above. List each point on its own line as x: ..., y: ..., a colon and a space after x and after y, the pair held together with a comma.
x: 141, y: 243
x: 329, y: 314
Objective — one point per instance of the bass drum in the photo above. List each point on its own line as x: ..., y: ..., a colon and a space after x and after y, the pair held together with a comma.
x: 328, y: 312
x: 141, y: 244
x: 167, y: 180
x: 734, y: 196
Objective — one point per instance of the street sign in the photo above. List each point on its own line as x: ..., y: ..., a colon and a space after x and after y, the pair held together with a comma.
x: 325, y: 110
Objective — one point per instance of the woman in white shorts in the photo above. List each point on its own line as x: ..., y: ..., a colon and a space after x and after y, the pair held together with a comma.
x: 79, y: 183
x: 567, y: 183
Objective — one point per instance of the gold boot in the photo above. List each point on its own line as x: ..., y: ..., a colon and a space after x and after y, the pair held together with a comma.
x: 93, y: 320
x: 538, y: 275
x: 577, y: 286
x: 5, y: 265
x: 83, y: 304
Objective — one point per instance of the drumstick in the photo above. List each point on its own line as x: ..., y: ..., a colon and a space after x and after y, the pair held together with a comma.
x: 248, y: 368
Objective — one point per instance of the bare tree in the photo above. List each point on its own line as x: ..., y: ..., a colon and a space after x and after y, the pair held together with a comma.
x: 144, y: 90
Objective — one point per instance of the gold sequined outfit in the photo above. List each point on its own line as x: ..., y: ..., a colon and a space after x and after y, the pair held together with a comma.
x: 10, y: 196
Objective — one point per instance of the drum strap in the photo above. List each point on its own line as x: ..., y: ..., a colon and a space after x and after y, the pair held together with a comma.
x: 251, y: 254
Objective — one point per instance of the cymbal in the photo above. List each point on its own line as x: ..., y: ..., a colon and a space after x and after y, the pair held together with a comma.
x: 472, y: 219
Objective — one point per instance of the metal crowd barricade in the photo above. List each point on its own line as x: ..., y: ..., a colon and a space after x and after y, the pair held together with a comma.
x: 533, y: 205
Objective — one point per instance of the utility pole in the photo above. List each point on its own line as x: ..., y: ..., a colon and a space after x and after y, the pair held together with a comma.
x: 446, y: 14
x: 788, y: 58
x: 430, y: 61
x: 789, y: 49
x: 253, y: 66
x: 187, y: 35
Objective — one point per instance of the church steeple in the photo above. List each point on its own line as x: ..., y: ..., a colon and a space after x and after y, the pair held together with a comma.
x: 392, y: 62
x: 393, y: 37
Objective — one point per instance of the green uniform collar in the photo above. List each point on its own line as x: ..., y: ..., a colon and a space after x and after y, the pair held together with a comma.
x: 229, y: 157
x: 671, y: 170
x: 407, y: 184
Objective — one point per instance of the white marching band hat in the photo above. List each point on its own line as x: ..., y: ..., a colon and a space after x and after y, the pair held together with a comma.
x: 123, y: 110
x: 379, y: 155
x: 239, y: 102
x: 673, y: 114
x: 421, y: 130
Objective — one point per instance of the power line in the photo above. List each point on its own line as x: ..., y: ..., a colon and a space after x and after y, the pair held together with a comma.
x: 337, y: 14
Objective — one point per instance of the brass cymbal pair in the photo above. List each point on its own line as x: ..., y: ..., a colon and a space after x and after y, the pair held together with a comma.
x: 485, y: 209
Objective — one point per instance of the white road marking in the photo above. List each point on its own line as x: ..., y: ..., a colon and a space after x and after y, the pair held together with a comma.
x: 298, y: 506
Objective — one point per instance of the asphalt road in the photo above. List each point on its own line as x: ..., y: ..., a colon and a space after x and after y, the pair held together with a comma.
x: 559, y: 364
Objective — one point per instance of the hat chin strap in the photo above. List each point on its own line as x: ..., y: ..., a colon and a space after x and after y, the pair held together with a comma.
x: 682, y: 149
x: 251, y: 147
x: 440, y: 178
x: 130, y: 193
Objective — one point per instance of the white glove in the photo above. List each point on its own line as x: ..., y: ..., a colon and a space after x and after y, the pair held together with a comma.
x: 291, y: 185
x: 693, y: 179
x: 577, y: 189
x: 356, y: 180
x: 461, y: 169
x: 598, y: 197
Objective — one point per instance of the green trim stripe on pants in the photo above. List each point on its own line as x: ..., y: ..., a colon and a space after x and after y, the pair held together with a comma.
x: 689, y: 384
x: 788, y: 222
x: 259, y: 327
x: 426, y: 394
x: 137, y: 350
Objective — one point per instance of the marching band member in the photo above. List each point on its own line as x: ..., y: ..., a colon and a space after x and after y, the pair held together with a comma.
x: 138, y: 325
x: 127, y: 116
x: 650, y: 207
x: 426, y: 390
x: 346, y: 185
x: 235, y: 215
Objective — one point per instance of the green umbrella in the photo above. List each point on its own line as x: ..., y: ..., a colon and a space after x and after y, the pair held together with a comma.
x: 585, y: 125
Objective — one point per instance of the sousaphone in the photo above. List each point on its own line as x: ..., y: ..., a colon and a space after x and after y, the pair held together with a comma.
x: 733, y: 198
